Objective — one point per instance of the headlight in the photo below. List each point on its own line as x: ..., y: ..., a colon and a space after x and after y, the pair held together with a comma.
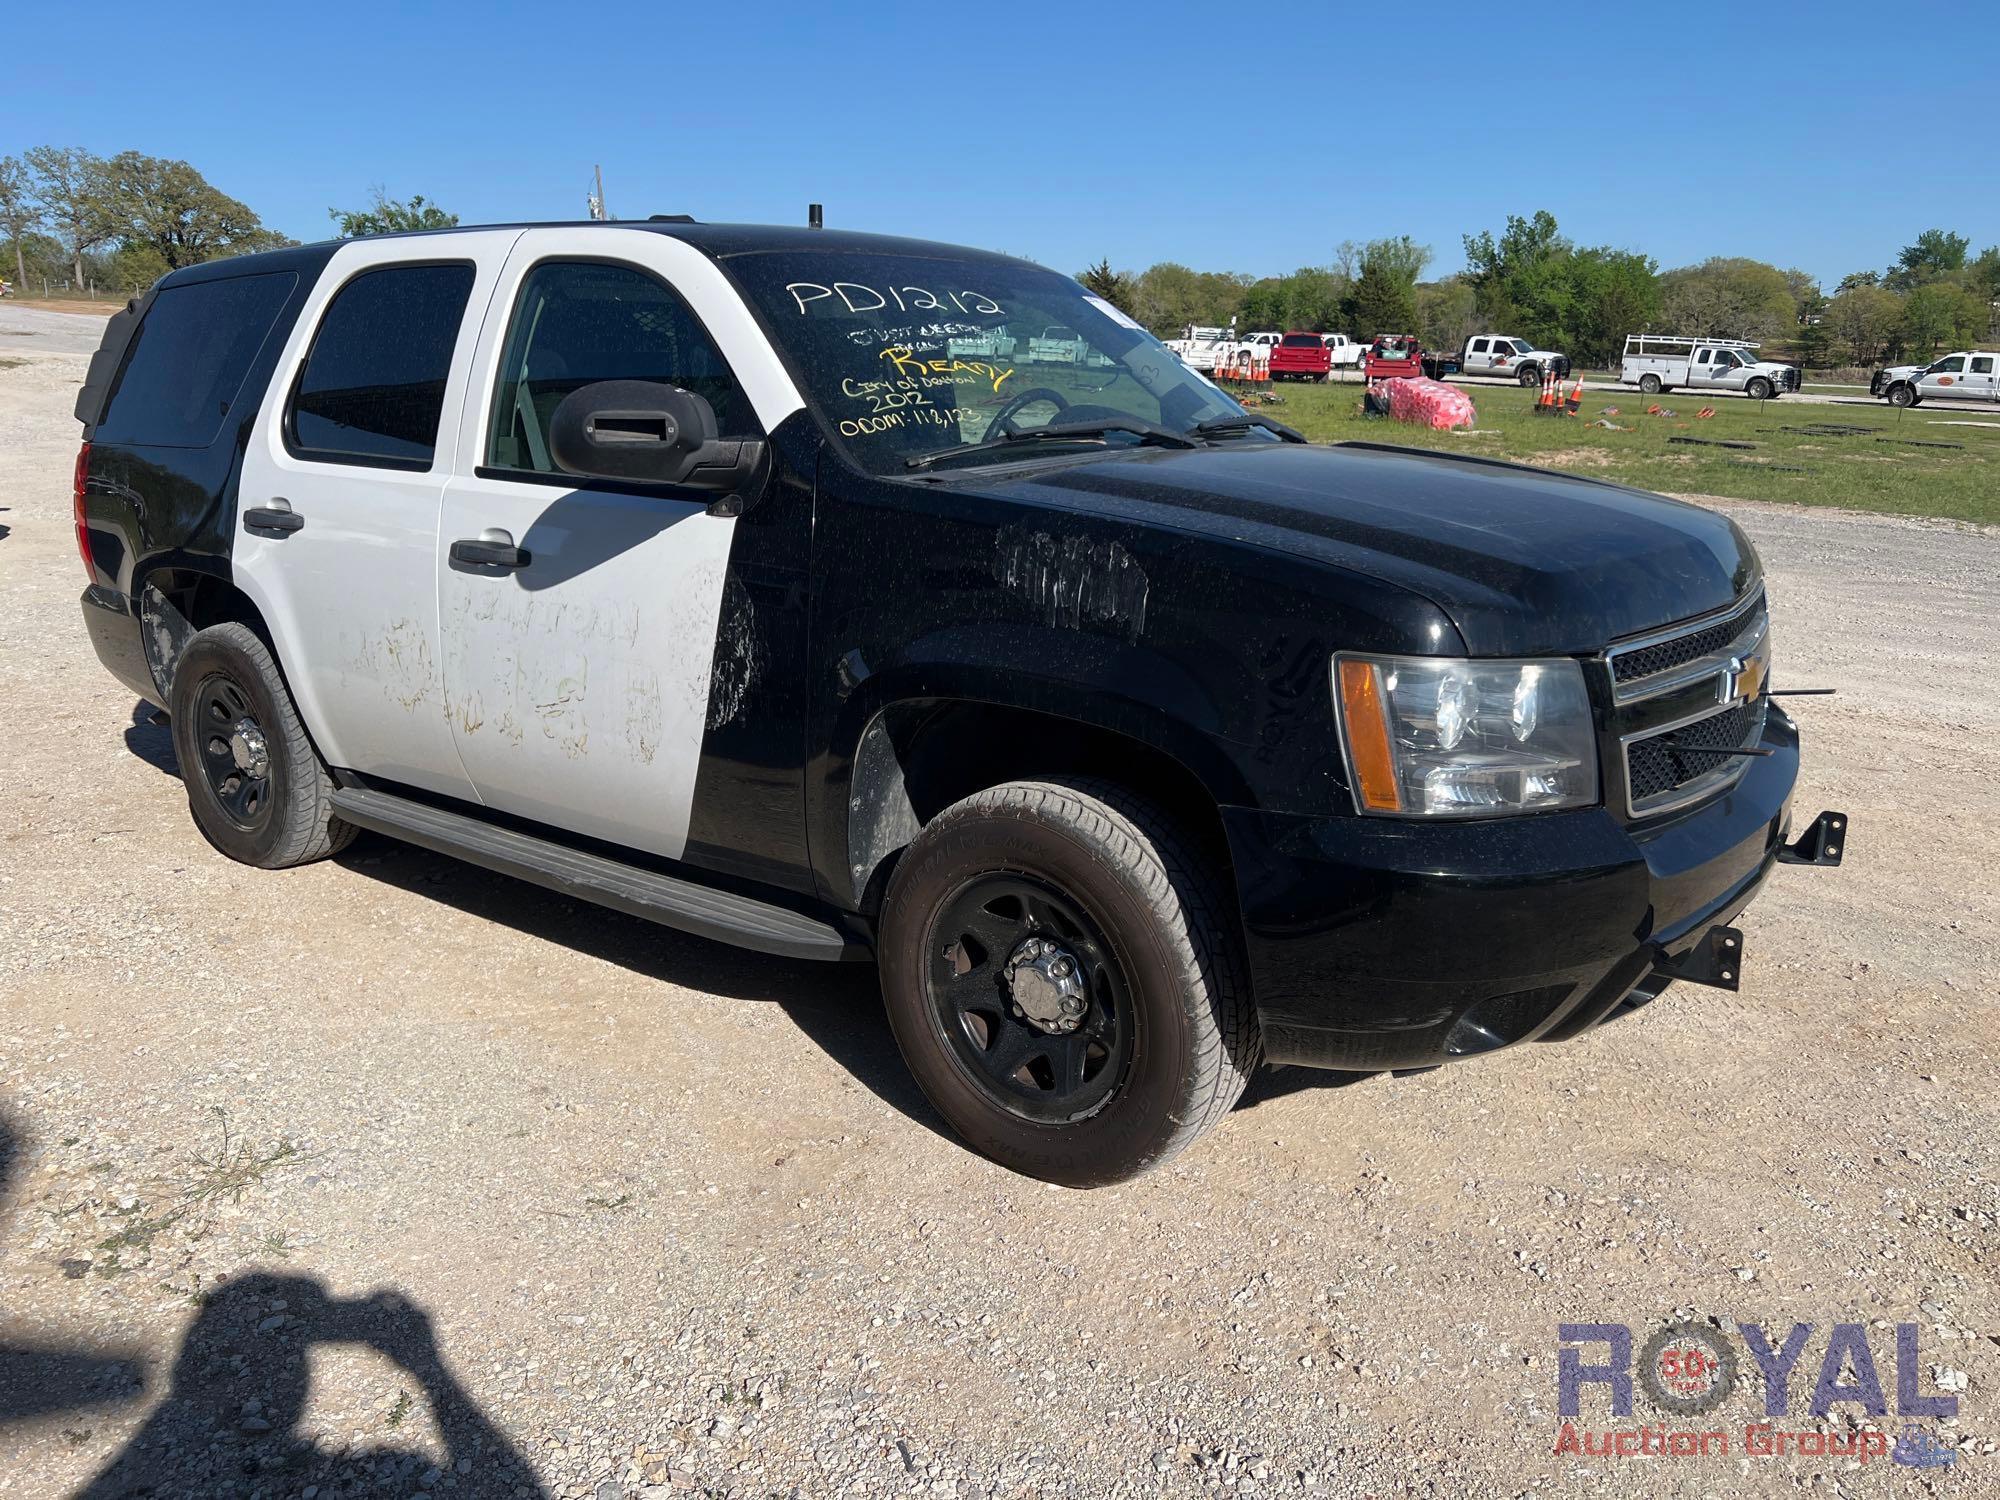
x: 1435, y: 737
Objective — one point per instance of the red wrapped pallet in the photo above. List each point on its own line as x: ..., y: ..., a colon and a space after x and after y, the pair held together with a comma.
x: 1430, y: 403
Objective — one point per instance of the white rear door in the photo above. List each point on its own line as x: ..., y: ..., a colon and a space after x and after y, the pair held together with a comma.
x: 577, y: 678
x: 337, y: 513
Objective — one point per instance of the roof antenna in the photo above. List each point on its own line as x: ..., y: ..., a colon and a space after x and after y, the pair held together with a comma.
x: 596, y: 199
x: 815, y: 219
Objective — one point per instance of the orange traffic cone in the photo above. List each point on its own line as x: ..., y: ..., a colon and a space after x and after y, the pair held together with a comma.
x: 1576, y: 397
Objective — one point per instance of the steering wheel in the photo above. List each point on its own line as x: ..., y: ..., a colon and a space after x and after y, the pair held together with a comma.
x: 1004, y: 418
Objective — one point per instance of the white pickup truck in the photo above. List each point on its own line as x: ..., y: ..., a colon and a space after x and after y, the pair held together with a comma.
x: 1346, y: 353
x: 1968, y: 375
x: 1060, y: 345
x: 1202, y: 348
x: 1510, y: 358
x: 1660, y: 362
x: 991, y: 343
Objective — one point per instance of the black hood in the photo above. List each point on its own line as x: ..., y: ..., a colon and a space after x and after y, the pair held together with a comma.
x: 1524, y: 561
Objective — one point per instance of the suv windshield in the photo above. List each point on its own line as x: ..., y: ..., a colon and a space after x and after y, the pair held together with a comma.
x: 904, y: 355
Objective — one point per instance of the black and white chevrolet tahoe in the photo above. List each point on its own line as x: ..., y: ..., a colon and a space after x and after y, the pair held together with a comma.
x: 731, y: 577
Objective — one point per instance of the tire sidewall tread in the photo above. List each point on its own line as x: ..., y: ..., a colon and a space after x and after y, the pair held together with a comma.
x: 302, y: 827
x: 1163, y: 914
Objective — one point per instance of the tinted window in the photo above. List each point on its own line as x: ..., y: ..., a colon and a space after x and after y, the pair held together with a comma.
x: 1951, y: 366
x: 1982, y: 364
x: 373, y: 387
x: 188, y: 360
x: 1302, y: 341
x: 578, y: 322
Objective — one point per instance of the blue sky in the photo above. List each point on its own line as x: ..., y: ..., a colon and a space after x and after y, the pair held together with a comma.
x: 1228, y: 136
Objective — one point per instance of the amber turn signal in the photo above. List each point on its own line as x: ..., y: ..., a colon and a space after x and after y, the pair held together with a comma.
x: 1367, y: 722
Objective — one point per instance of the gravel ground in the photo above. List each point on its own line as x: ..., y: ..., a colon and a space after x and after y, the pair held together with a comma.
x: 392, y: 1176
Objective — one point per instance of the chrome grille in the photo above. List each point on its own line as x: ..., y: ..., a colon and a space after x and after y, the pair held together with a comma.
x: 1667, y: 659
x: 1661, y: 767
x: 1676, y: 709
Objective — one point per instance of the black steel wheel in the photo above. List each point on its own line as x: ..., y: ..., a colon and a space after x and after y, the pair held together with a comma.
x: 1064, y: 978
x: 1029, y: 996
x: 235, y: 753
x: 255, y: 785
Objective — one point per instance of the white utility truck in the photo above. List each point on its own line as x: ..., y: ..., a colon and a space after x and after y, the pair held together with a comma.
x: 1662, y: 362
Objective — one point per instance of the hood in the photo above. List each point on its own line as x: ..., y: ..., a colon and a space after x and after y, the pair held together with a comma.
x: 1523, y: 561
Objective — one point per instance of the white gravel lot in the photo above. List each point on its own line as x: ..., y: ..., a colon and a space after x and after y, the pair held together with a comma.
x: 393, y: 1176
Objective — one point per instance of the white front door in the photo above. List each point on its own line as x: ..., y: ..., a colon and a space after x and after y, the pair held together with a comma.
x: 577, y: 673
x: 337, y: 509
x: 1946, y: 378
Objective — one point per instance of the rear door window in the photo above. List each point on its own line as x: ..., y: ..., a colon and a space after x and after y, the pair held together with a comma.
x: 188, y: 360
x: 372, y: 389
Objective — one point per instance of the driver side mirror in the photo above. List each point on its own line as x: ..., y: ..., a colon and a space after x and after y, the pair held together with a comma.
x: 653, y: 433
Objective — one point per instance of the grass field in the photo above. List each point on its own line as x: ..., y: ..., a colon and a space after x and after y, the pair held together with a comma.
x: 1886, y: 465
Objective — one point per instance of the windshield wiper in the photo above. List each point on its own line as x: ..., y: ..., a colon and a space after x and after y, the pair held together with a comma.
x: 1223, y: 426
x: 1146, y: 432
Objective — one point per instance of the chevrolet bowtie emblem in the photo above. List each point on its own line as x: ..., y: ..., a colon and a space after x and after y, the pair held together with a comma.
x: 1741, y: 680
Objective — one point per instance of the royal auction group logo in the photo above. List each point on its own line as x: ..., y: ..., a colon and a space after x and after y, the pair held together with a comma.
x: 1689, y: 1369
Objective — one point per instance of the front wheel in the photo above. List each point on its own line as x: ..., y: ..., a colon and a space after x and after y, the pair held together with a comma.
x: 1063, y: 980
x: 255, y: 784
x: 1650, y: 384
x: 1528, y: 375
x: 1902, y: 394
x: 1758, y: 389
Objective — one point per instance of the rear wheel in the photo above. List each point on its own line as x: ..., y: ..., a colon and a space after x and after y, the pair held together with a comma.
x: 1063, y: 982
x: 1650, y: 384
x: 254, y: 782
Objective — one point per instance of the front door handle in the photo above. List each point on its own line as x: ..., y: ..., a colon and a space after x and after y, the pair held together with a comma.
x: 492, y: 548
x: 276, y: 519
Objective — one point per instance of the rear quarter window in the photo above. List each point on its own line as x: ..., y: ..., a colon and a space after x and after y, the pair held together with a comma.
x: 188, y: 359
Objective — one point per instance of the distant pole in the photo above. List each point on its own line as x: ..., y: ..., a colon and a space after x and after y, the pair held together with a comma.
x: 597, y: 210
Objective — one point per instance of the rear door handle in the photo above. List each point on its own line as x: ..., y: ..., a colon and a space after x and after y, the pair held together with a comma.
x: 492, y: 548
x: 276, y: 519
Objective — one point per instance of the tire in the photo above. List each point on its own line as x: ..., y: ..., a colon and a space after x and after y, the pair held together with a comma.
x: 225, y: 681
x: 1758, y: 389
x: 1650, y: 384
x: 1527, y: 375
x: 1902, y: 393
x: 1167, y: 1001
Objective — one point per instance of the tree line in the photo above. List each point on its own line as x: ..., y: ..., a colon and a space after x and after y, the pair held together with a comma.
x: 124, y: 221
x: 1532, y: 281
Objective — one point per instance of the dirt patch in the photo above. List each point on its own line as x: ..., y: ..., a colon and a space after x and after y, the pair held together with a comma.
x: 1577, y: 458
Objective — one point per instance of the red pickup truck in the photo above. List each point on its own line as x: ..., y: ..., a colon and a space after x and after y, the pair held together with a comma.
x: 1393, y: 355
x: 1301, y: 356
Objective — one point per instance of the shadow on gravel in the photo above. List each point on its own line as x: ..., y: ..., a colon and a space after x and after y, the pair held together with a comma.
x: 46, y: 1380
x: 837, y: 1006
x: 1267, y: 1084
x: 230, y: 1419
x: 149, y: 738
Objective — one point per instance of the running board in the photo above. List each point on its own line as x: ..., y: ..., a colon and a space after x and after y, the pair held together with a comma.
x: 681, y: 904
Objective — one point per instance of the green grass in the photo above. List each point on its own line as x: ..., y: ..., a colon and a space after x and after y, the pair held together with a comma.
x: 1875, y: 470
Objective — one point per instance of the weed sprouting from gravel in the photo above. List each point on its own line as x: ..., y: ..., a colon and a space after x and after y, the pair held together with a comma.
x: 609, y: 1205
x: 399, y: 1411
x: 236, y: 1166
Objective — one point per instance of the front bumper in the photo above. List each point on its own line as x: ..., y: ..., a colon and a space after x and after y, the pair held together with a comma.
x: 1378, y: 943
